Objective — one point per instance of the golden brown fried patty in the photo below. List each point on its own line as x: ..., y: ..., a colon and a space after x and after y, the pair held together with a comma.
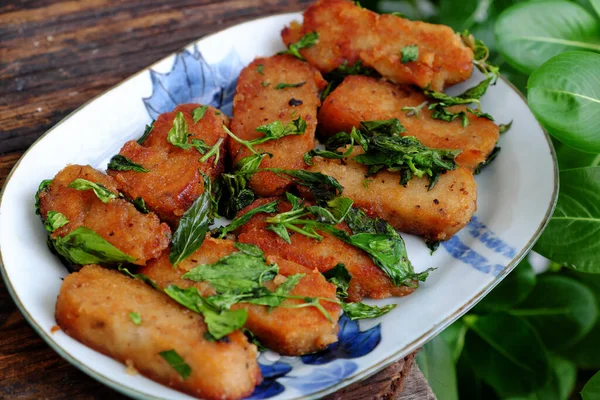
x: 367, y: 279
x: 435, y: 214
x: 139, y: 235
x: 288, y: 331
x: 360, y: 98
x: 258, y: 102
x: 94, y: 305
x: 175, y: 177
x: 349, y: 33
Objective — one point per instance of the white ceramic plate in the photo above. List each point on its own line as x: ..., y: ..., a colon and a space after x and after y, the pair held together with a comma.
x: 517, y: 194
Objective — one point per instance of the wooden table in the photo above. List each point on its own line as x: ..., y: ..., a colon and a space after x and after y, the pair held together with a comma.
x: 55, y: 56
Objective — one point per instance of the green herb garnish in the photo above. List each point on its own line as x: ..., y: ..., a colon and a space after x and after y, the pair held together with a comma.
x: 179, y: 136
x: 140, y: 205
x: 259, y: 69
x: 409, y: 53
x: 41, y: 188
x: 177, y: 363
x: 84, y: 246
x: 147, y: 132
x: 135, y: 317
x: 55, y: 220
x: 214, y: 151
x: 283, y: 85
x: 223, y: 231
x: 99, y: 190
x: 356, y: 311
x: 122, y: 163
x: 272, y: 131
x: 198, y: 113
x: 306, y: 41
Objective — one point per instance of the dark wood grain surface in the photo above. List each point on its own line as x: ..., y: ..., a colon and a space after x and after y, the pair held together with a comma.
x: 55, y: 56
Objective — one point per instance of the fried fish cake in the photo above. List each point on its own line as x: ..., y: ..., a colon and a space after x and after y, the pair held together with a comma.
x: 435, y: 214
x: 361, y: 98
x: 288, y: 331
x: 349, y: 33
x: 367, y: 279
x: 261, y: 99
x: 138, y: 235
x: 174, y: 178
x: 94, y: 307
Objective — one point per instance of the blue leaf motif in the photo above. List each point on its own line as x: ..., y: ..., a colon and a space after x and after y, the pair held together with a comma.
x: 320, y: 378
x: 269, y: 386
x: 352, y: 343
x: 193, y: 80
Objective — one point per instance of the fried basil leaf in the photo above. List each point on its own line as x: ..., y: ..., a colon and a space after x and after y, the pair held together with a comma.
x: 356, y: 311
x: 100, y: 191
x: 223, y: 231
x: 198, y: 113
x: 135, y: 317
x: 409, y: 53
x: 283, y: 85
x: 386, y: 127
x: 340, y: 277
x: 306, y: 41
x: 122, y: 163
x: 322, y: 187
x: 41, y: 188
x: 140, y: 205
x: 84, y: 246
x: 55, y: 220
x: 146, y: 133
x: 177, y: 363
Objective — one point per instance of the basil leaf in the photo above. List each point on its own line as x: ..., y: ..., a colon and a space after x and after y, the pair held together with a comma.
x: 220, y: 323
x: 100, y: 191
x: 564, y: 95
x: 356, y: 311
x: 259, y: 69
x: 526, y: 43
x: 122, y: 163
x: 436, y: 363
x: 591, y: 390
x: 223, y: 231
x: 198, y: 113
x: 178, y: 135
x: 281, y: 231
x: 477, y: 91
x: 491, y: 157
x: 272, y: 131
x: 336, y: 76
x: 193, y: 226
x: 41, y: 188
x: 283, y: 85
x: 306, y: 41
x: 177, y: 363
x: 84, y: 246
x: 504, y: 127
x: 147, y: 132
x: 409, y: 53
x: 140, y: 205
x: 341, y: 278
x: 274, y: 299
x: 55, y: 220
x: 135, y: 317
x: 253, y: 339
x: 568, y: 238
x: 387, y: 127
x: 140, y: 277
x: 322, y: 187
x: 336, y: 210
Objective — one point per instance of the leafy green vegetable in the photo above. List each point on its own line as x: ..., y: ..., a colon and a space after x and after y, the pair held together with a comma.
x: 454, y: 335
x: 509, y: 344
x: 193, y: 226
x: 336, y: 76
x: 283, y: 85
x: 491, y: 157
x: 505, y: 127
x: 198, y: 113
x: 55, y: 220
x: 322, y: 187
x: 41, y: 188
x: 135, y: 317
x: 272, y: 131
x: 177, y: 363
x: 122, y: 163
x: 530, y: 33
x: 214, y: 151
x: 100, y: 191
x: 561, y: 382
x: 414, y: 111
x: 179, y: 135
x: 577, y: 213
x: 356, y: 311
x: 386, y: 127
x: 340, y: 277
x: 409, y: 53
x: 481, y: 53
x: 591, y: 390
x: 559, y: 301
x: 147, y: 132
x: 223, y: 231
x: 306, y: 41
x: 259, y: 69
x: 436, y: 363
x: 586, y: 352
x: 564, y: 95
x: 140, y: 205
x: 569, y: 158
x: 141, y: 277
x: 84, y: 246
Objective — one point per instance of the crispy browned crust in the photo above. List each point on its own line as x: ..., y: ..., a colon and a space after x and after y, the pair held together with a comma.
x: 139, y: 235
x: 435, y: 214
x: 93, y: 307
x: 367, y: 279
x: 255, y: 104
x: 348, y: 33
x: 287, y: 331
x: 175, y: 177
x: 361, y: 98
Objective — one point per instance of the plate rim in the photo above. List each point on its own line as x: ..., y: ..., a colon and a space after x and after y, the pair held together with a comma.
x: 369, y: 371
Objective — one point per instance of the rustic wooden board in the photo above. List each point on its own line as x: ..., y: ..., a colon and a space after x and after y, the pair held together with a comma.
x: 55, y: 56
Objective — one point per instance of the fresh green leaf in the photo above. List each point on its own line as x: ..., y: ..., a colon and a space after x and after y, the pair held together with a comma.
x: 571, y: 237
x: 340, y: 277
x: 198, y: 113
x: 530, y: 33
x: 508, y: 344
x: 177, y: 363
x: 409, y: 53
x: 569, y: 158
x: 178, y: 135
x: 140, y: 205
x: 147, y: 132
x: 387, y: 127
x: 100, y: 191
x: 356, y: 311
x: 511, y: 291
x: 306, y: 41
x: 454, y: 335
x: 564, y: 95
x: 283, y: 85
x: 559, y: 301
x: 135, y: 317
x: 84, y: 246
x: 459, y: 18
x: 41, y: 188
x: 436, y: 363
x: 272, y: 131
x: 504, y: 127
x: 222, y: 232
x: 193, y: 226
x: 122, y: 163
x: 214, y: 151
x: 562, y: 380
x: 322, y: 187
x: 55, y: 220
x: 591, y: 390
